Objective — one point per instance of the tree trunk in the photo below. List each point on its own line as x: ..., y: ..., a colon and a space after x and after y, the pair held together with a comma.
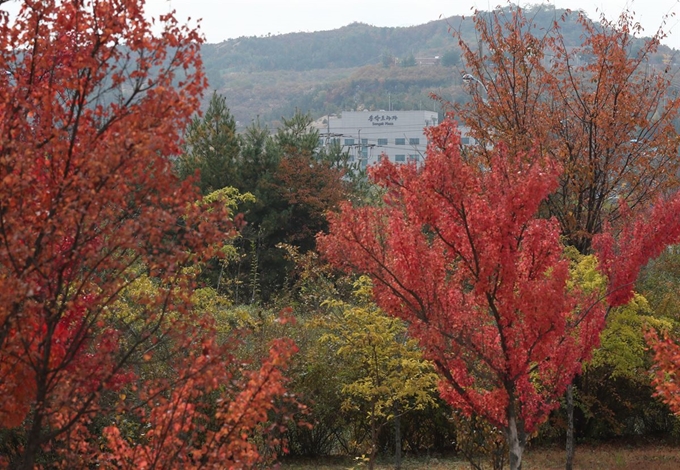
x: 570, y: 428
x: 516, y: 438
x: 397, y: 439
x: 374, y: 438
x: 32, y: 447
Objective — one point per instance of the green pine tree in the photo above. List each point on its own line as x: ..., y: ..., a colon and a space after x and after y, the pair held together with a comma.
x: 212, y: 147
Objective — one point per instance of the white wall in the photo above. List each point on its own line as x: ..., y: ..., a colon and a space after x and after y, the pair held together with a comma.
x: 368, y: 134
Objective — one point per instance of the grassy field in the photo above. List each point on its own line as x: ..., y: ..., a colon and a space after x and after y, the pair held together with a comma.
x: 601, y: 457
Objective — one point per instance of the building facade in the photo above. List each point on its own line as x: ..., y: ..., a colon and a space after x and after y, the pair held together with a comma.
x: 367, y: 135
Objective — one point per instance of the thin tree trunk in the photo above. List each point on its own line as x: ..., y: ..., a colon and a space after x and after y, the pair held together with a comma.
x: 219, y: 279
x: 374, y: 438
x: 397, y: 439
x: 516, y: 438
x: 570, y: 428
x: 30, y: 451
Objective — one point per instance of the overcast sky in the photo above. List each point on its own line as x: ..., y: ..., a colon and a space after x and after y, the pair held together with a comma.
x: 224, y: 19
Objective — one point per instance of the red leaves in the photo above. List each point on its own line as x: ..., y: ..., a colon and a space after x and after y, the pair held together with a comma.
x: 458, y: 253
x: 186, y: 431
x: 96, y: 232
x: 600, y: 109
x: 642, y: 237
x: 666, y: 370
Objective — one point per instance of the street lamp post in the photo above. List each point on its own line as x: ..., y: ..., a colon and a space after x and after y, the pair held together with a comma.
x: 469, y: 78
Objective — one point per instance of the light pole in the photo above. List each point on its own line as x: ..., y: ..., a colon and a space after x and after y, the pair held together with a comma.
x: 469, y: 78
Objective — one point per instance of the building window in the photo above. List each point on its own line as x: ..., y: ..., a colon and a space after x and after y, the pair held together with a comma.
x: 400, y: 158
x: 364, y: 148
x: 400, y: 141
x: 335, y: 141
x: 382, y: 141
x: 349, y: 141
x: 414, y: 141
x: 465, y: 140
x: 413, y: 158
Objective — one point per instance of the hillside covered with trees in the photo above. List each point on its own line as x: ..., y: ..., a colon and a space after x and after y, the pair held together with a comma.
x: 356, y: 67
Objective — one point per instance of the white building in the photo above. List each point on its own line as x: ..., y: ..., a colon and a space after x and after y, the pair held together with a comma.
x: 369, y: 134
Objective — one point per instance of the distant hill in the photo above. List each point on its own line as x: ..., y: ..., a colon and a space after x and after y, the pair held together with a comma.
x: 354, y: 67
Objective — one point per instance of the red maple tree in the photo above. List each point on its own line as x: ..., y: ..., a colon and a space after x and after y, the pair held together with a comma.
x: 458, y: 252
x: 92, y: 110
x: 599, y: 106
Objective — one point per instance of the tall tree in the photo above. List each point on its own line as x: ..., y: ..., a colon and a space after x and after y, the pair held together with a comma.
x: 600, y: 109
x: 92, y: 109
x: 212, y: 147
x: 459, y: 253
x: 294, y: 184
x: 382, y: 368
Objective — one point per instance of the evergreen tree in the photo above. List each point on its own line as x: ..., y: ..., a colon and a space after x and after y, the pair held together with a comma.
x: 409, y: 61
x: 212, y: 146
x: 294, y: 182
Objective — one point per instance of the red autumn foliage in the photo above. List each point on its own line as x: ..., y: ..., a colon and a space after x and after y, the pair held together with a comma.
x: 92, y: 110
x: 642, y: 237
x: 666, y: 369
x: 309, y: 187
x: 458, y: 252
x: 186, y: 431
x: 603, y: 110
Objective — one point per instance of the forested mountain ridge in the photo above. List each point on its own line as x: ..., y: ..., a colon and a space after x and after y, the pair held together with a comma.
x: 353, y: 45
x: 358, y: 66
